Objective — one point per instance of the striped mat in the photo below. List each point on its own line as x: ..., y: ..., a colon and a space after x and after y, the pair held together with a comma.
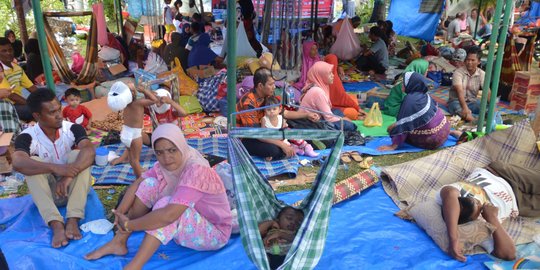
x: 441, y: 96
x: 122, y: 174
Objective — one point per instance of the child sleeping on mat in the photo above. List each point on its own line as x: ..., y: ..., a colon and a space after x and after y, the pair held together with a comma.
x: 279, y: 234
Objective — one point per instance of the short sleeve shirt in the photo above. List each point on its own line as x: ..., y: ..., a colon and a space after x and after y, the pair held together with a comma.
x: 453, y: 27
x: 470, y: 83
x: 380, y: 51
x: 34, y: 142
x: 15, y: 77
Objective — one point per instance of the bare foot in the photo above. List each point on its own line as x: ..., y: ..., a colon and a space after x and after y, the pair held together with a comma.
x: 124, y: 158
x: 72, y: 229
x: 59, y: 236
x: 114, y: 247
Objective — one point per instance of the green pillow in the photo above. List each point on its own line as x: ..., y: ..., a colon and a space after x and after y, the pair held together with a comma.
x: 190, y: 104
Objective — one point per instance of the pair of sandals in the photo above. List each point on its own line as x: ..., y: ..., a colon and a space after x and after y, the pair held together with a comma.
x: 364, y: 163
x: 348, y: 157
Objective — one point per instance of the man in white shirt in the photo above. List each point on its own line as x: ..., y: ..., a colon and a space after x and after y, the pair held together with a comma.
x: 56, y: 174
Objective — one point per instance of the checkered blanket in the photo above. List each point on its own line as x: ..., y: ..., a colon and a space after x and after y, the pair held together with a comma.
x: 122, y: 174
x: 441, y: 96
x: 416, y: 181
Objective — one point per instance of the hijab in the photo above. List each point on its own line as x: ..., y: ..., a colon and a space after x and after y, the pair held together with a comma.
x: 418, y: 108
x: 393, y: 102
x: 318, y: 76
x: 307, y: 62
x: 201, y: 54
x: 190, y: 155
x: 338, y: 96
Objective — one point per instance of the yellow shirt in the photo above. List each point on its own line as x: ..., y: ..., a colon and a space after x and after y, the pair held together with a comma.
x: 15, y: 77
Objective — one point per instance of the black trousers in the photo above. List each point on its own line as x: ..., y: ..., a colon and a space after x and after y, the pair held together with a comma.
x: 24, y: 113
x: 367, y: 63
x: 262, y: 149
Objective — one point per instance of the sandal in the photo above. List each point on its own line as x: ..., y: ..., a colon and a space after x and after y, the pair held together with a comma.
x: 355, y: 155
x: 366, y: 163
x: 345, y: 157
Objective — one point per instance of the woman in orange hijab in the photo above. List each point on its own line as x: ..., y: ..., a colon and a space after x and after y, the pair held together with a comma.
x: 338, y: 97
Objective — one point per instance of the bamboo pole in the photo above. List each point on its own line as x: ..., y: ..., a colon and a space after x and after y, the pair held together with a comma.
x: 498, y: 63
x: 489, y: 67
x: 231, y: 61
x: 42, y: 40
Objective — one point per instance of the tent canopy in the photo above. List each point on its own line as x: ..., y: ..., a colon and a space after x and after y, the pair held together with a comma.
x: 411, y: 19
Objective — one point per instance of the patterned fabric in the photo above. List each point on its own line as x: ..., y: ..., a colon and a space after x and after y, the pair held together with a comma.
x: 15, y: 77
x: 257, y: 201
x: 440, y: 95
x: 249, y: 102
x: 9, y: 119
x: 430, y: 136
x: 58, y: 60
x: 416, y: 181
x: 190, y: 230
x: 208, y: 89
x: 122, y: 174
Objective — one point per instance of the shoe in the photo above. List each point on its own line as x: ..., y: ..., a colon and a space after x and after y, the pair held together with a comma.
x: 308, y: 151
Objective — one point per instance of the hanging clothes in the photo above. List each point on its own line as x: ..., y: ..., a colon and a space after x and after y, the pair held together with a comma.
x: 99, y: 14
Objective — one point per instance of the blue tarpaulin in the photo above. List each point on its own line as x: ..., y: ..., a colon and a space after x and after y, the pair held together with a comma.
x: 409, y: 21
x: 363, y: 234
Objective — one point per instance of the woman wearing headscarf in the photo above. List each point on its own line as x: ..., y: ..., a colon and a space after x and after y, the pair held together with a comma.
x: 310, y: 55
x: 339, y: 99
x: 180, y: 198
x: 419, y: 122
x: 393, y: 102
x: 34, y: 67
x: 316, y: 94
x: 199, y: 47
x: 16, y: 44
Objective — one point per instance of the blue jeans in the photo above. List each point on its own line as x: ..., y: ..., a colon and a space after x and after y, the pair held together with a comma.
x: 454, y: 108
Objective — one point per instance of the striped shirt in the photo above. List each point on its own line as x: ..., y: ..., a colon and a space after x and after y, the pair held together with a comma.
x: 15, y: 77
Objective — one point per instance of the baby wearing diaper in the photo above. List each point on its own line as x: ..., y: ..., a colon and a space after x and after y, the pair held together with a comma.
x: 124, y: 97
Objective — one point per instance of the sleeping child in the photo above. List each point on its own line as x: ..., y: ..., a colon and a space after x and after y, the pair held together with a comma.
x: 273, y: 119
x: 279, y: 234
x: 124, y: 97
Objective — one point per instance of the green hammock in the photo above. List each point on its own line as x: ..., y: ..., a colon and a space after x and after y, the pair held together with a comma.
x: 257, y: 201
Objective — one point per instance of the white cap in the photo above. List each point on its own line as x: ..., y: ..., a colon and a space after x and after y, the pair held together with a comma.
x: 164, y: 107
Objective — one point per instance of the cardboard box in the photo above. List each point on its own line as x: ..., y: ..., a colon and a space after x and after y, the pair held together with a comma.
x: 117, y: 69
x: 527, y: 82
x: 524, y: 99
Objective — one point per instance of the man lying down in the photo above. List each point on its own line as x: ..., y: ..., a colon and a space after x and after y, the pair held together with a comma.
x: 495, y: 193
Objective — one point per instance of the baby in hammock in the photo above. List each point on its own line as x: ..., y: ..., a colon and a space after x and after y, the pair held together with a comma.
x: 279, y: 234
x: 273, y: 119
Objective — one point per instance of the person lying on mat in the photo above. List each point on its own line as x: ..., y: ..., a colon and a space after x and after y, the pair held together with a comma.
x: 15, y: 81
x: 466, y: 83
x: 55, y: 174
x: 279, y: 234
x: 420, y: 122
x: 180, y: 198
x: 268, y: 149
x: 494, y: 192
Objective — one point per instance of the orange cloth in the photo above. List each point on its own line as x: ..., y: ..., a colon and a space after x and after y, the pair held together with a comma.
x: 338, y: 97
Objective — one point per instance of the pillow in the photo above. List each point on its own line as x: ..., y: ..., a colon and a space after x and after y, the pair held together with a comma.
x: 428, y: 215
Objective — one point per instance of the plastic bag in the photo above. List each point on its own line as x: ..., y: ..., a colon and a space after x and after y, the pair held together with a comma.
x: 78, y: 62
x: 224, y: 171
x: 347, y: 45
x: 374, y: 117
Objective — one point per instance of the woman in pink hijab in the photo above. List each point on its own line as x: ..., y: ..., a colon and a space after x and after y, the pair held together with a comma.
x: 180, y: 198
x: 310, y: 55
x: 316, y: 95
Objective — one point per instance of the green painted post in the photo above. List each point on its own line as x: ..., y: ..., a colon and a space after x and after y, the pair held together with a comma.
x: 498, y: 63
x: 489, y: 67
x: 42, y: 40
x: 231, y: 61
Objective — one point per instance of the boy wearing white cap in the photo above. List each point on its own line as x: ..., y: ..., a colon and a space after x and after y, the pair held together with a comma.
x: 166, y: 109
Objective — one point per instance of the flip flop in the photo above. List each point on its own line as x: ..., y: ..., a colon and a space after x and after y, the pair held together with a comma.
x: 366, y: 163
x: 345, y: 157
x: 355, y: 155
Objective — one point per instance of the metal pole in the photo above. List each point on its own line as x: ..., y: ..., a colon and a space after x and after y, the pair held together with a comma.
x: 477, y: 18
x: 489, y: 67
x: 42, y: 40
x: 231, y: 61
x: 498, y: 63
